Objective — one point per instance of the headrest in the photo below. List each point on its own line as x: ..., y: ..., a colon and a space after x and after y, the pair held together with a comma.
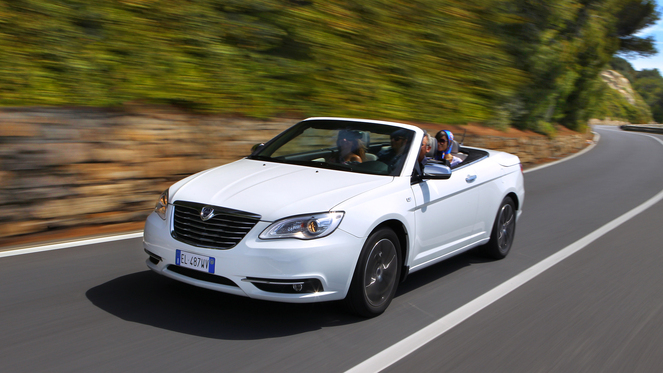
x: 433, y: 147
x: 350, y: 134
x: 454, y: 147
x: 400, y: 133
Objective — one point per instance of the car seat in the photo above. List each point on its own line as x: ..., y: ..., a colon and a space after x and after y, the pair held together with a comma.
x: 433, y: 145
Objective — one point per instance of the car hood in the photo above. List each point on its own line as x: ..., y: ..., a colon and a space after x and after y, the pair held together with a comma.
x: 275, y: 190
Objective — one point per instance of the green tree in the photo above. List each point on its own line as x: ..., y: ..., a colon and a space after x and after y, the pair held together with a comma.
x: 649, y: 84
x: 623, y: 67
x: 561, y: 47
x: 632, y: 17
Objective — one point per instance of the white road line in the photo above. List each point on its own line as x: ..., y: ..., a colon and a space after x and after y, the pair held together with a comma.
x: 412, y: 343
x: 68, y: 244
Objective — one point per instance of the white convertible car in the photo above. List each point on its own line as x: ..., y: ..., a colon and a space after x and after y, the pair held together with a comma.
x: 333, y: 209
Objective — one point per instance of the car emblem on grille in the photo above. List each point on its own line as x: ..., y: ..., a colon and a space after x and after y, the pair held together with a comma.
x: 206, y: 213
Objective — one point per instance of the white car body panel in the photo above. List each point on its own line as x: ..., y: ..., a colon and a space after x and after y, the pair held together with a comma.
x: 438, y: 218
x: 276, y: 190
x: 445, y: 216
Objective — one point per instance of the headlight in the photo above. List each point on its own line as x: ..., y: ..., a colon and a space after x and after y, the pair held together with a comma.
x: 162, y: 204
x: 304, y: 227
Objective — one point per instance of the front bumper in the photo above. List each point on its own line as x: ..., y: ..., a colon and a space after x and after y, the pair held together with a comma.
x: 261, y: 269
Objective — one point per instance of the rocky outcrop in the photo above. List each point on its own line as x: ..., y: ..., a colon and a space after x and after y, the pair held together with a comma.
x: 62, y: 168
x: 619, y: 83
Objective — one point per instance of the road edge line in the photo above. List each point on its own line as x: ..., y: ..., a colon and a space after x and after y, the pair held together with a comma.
x: 68, y: 244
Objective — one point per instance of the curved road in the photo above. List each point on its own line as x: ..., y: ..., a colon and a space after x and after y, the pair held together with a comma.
x: 97, y: 308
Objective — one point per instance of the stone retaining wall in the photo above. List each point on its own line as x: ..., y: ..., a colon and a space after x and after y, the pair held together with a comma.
x: 62, y: 168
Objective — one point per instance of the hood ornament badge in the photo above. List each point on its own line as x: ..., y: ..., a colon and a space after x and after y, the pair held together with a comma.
x: 206, y: 213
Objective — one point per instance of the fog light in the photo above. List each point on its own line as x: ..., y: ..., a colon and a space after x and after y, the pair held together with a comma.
x: 303, y: 286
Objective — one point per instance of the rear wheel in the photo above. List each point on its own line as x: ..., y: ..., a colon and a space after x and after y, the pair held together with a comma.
x: 376, y: 276
x: 504, y: 229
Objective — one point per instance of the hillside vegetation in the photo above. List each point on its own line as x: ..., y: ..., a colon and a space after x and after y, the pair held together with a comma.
x: 519, y: 63
x: 648, y: 83
x: 620, y: 101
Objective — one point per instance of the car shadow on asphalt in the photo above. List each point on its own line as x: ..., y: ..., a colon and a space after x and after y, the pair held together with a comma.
x: 440, y: 270
x: 150, y: 299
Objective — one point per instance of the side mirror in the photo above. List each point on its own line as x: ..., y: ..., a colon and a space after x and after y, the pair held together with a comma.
x: 436, y: 171
x: 257, y: 147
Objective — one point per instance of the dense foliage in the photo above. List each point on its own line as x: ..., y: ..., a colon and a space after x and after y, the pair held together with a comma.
x: 648, y: 84
x: 616, y: 107
x: 502, y: 62
x: 623, y: 67
x: 633, y: 16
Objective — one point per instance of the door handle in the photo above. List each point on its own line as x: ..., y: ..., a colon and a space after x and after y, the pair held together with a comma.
x: 470, y: 178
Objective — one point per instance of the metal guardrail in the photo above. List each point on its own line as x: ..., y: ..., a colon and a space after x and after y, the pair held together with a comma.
x: 654, y: 128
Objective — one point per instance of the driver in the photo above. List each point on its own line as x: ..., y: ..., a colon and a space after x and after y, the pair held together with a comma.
x: 393, y: 154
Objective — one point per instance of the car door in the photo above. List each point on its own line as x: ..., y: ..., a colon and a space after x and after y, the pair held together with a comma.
x: 445, y: 215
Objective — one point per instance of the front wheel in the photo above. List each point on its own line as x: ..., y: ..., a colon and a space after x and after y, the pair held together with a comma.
x: 376, y: 276
x: 503, y: 231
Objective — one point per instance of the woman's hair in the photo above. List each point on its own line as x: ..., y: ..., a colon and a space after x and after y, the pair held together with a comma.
x: 449, y: 136
x: 355, y: 137
x: 361, y: 149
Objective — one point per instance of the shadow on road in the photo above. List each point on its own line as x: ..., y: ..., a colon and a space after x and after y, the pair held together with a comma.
x: 440, y: 270
x: 149, y: 299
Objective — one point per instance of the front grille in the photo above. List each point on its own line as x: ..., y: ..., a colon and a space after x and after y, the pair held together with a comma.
x: 223, y: 231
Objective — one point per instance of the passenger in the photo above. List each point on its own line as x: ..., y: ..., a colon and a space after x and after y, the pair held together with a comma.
x: 445, y: 141
x: 351, y: 148
x: 393, y: 154
x: 421, y: 158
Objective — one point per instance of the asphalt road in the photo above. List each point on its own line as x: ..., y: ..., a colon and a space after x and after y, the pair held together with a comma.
x: 97, y: 308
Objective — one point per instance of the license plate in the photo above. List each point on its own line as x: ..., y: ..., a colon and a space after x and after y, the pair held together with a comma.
x: 195, y: 261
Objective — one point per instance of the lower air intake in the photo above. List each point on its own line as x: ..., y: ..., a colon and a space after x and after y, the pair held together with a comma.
x: 202, y: 276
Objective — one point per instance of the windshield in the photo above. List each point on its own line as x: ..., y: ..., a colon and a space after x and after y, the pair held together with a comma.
x: 343, y: 145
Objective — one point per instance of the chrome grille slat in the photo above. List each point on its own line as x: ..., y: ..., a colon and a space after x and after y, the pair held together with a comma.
x: 203, y: 234
x: 208, y: 232
x: 202, y: 239
x: 223, y: 231
x: 201, y: 224
x: 196, y: 219
x: 220, y: 218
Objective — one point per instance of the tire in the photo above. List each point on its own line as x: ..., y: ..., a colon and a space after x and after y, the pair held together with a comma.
x: 376, y: 276
x: 504, y: 229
